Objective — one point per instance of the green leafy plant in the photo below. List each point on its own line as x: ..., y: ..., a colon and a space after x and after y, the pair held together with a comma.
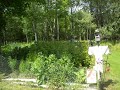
x: 1, y: 77
x: 52, y: 71
x: 24, y: 66
x: 77, y: 50
x: 12, y: 63
x: 80, y: 75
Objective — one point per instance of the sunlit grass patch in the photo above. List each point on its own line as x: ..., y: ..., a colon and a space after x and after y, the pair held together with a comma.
x: 114, y: 74
x: 14, y: 86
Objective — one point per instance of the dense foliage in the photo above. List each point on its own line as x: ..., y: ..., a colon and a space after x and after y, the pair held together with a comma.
x: 53, y: 71
x: 54, y: 63
x: 76, y: 50
x: 28, y: 20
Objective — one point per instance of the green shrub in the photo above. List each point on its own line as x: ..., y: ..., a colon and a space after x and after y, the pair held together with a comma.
x: 25, y: 66
x: 1, y: 77
x: 25, y: 69
x: 80, y: 75
x: 4, y: 65
x: 12, y: 63
x: 55, y: 72
x: 78, y: 50
x: 22, y: 66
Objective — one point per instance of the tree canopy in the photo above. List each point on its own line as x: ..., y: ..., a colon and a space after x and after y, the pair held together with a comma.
x: 48, y: 20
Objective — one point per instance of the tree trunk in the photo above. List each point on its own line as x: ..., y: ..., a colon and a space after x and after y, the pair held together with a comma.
x: 80, y: 37
x: 4, y: 36
x: 58, y: 37
x: 36, y: 37
x: 27, y: 38
x: 71, y: 22
x: 56, y: 21
x: 56, y: 24
x: 34, y: 30
x: 66, y: 37
x: 87, y: 34
x: 45, y: 25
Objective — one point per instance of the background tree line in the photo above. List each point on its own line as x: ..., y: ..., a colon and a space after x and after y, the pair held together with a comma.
x: 48, y: 20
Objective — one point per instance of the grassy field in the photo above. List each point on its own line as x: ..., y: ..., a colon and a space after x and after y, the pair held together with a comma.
x: 113, y: 77
x: 13, y: 86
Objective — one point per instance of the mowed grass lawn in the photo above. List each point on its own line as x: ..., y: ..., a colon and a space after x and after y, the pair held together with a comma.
x: 113, y: 77
x: 12, y: 86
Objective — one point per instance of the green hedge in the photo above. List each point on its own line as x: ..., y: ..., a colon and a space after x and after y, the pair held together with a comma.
x: 76, y: 50
x: 53, y: 71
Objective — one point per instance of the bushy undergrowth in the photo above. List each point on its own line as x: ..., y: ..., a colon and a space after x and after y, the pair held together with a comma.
x: 56, y: 72
x: 1, y: 77
x: 53, y: 62
x: 12, y: 63
x: 78, y: 51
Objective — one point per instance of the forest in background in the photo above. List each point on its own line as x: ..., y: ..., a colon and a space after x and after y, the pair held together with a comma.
x: 50, y: 20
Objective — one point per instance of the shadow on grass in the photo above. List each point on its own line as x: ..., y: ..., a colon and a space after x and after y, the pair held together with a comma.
x: 4, y: 65
x: 107, y: 83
